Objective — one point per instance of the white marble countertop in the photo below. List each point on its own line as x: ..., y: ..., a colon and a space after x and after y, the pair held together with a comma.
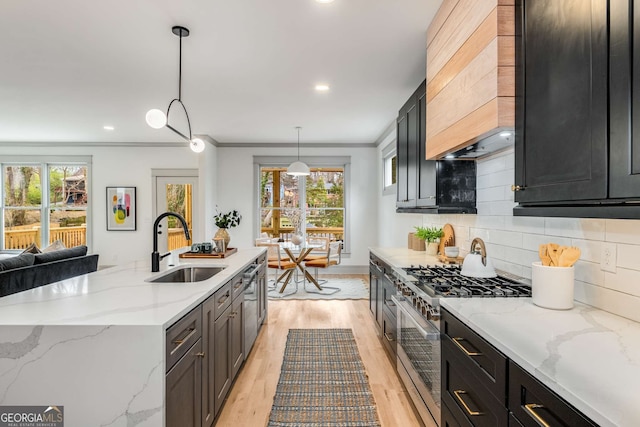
x: 120, y: 295
x: 588, y: 356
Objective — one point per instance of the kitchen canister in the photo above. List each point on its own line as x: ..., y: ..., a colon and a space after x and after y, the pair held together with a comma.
x: 552, y: 287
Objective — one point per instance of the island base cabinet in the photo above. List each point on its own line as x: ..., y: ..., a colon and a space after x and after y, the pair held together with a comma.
x: 222, y: 358
x: 184, y: 390
x: 236, y: 345
x: 448, y: 420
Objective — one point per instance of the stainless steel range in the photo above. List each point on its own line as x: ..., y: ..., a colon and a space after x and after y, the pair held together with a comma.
x: 418, y: 330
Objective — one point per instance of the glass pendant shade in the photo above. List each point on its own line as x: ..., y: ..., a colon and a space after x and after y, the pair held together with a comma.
x: 298, y: 168
x: 197, y: 145
x: 156, y: 118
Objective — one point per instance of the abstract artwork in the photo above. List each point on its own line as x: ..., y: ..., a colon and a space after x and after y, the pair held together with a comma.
x: 121, y: 208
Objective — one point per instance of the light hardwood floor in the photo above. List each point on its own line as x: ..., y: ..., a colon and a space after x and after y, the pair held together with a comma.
x: 250, y: 400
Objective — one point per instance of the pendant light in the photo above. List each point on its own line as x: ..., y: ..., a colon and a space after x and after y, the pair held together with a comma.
x: 158, y: 119
x: 298, y: 168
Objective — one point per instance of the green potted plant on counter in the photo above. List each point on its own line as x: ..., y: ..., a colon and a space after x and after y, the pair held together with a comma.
x: 225, y: 221
x: 431, y: 236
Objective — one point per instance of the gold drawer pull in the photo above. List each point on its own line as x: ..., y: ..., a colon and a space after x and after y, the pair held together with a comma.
x: 530, y: 409
x: 387, y: 337
x: 201, y: 354
x: 190, y: 332
x: 457, y: 340
x: 457, y: 393
x: 223, y: 299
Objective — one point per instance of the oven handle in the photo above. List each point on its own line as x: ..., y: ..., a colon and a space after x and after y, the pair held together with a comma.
x: 426, y: 328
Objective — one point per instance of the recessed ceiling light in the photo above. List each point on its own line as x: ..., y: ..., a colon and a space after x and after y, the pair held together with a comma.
x: 324, y: 1
x: 450, y: 156
x: 505, y: 134
x: 108, y: 127
x: 322, y: 88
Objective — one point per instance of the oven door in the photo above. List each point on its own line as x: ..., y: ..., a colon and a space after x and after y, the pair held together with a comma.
x: 418, y: 361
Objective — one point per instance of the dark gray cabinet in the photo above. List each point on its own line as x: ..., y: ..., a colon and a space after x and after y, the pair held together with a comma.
x: 205, y: 352
x: 184, y: 390
x: 375, y: 290
x: 389, y: 313
x: 482, y: 387
x: 577, y: 109
x: 428, y: 186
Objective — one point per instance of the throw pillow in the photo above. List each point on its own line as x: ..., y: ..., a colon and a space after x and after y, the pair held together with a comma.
x: 32, y: 249
x: 52, y: 256
x: 22, y: 260
x: 55, y: 246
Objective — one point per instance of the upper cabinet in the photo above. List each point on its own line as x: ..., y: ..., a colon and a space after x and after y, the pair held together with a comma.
x: 428, y: 186
x: 470, y: 74
x: 578, y: 77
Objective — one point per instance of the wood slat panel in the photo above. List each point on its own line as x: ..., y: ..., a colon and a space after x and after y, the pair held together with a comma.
x: 441, y: 16
x: 479, y: 40
x: 506, y: 81
x: 506, y: 20
x: 506, y: 2
x: 473, y: 87
x: 507, y: 111
x: 465, y: 18
x: 476, y: 123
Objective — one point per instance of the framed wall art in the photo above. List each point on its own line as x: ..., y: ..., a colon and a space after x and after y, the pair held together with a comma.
x: 121, y: 208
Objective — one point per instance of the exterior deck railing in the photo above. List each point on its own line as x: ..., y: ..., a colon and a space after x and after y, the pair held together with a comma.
x: 21, y: 239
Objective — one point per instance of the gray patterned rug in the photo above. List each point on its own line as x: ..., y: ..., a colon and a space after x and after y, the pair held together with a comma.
x: 323, y: 382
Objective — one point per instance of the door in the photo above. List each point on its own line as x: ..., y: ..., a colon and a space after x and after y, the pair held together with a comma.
x: 561, y: 123
x: 624, y: 87
x: 176, y: 194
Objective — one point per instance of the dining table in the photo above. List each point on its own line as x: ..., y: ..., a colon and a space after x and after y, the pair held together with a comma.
x: 297, y: 254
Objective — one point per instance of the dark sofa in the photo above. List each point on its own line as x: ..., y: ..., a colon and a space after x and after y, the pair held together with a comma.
x: 28, y: 271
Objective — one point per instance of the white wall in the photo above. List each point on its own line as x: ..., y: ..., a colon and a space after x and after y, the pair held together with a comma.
x: 512, y: 242
x: 120, y: 166
x: 236, y: 184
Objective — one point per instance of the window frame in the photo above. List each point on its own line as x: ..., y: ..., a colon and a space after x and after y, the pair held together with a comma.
x: 388, y: 153
x: 44, y: 162
x: 343, y: 162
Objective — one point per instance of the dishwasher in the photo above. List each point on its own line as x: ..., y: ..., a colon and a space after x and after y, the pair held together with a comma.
x: 250, y: 292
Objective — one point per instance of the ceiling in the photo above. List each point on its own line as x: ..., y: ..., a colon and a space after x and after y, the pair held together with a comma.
x: 249, y: 68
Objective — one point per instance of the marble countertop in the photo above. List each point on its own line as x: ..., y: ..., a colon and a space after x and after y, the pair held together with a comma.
x: 588, y: 356
x: 120, y: 295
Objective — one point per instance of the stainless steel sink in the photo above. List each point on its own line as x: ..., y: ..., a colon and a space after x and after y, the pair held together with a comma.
x: 186, y: 274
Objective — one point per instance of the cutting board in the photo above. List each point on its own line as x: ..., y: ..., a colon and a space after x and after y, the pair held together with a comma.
x: 449, y: 238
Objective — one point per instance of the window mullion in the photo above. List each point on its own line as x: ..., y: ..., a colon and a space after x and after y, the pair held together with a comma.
x: 44, y: 205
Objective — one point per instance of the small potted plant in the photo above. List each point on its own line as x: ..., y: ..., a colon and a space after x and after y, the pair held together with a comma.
x: 431, y: 235
x: 224, y: 221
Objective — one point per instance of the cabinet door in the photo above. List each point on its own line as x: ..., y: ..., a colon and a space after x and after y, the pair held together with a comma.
x: 236, y: 344
x: 426, y: 171
x: 402, y: 163
x: 262, y: 296
x: 222, y: 357
x: 373, y: 293
x: 208, y: 362
x: 184, y: 385
x: 624, y: 93
x: 561, y: 117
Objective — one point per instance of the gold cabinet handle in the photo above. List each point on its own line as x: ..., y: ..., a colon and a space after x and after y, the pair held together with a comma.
x: 530, y: 408
x: 517, y: 187
x: 387, y: 337
x: 457, y: 340
x: 201, y: 354
x: 458, y: 394
x: 180, y: 341
x: 233, y: 314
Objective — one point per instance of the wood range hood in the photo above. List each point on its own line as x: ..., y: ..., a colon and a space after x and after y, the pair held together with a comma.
x: 470, y: 78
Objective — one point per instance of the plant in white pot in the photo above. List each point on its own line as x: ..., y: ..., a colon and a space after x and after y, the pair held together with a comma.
x: 431, y: 236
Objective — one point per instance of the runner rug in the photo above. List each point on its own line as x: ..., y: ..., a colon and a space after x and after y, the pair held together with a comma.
x: 322, y: 382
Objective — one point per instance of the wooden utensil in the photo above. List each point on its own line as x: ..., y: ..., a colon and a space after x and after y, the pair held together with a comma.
x: 544, y: 256
x: 569, y: 256
x: 552, y: 250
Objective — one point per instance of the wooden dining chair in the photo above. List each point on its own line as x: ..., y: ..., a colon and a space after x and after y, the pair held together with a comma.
x: 333, y: 256
x: 278, y: 263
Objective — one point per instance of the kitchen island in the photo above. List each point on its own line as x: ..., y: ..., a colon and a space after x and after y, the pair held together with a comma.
x: 95, y: 344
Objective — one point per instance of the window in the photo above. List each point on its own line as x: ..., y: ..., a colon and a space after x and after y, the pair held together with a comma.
x: 389, y: 169
x: 44, y: 202
x: 324, y: 203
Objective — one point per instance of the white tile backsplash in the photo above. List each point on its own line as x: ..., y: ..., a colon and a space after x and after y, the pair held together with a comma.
x: 512, y: 242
